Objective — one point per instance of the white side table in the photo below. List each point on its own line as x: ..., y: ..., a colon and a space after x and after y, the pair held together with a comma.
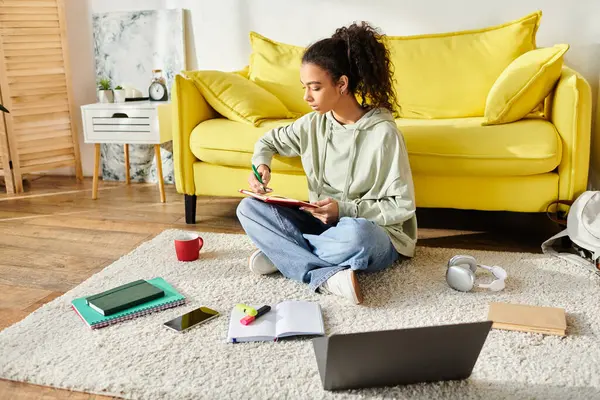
x: 134, y: 122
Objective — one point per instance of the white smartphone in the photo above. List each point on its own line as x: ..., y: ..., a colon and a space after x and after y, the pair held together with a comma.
x: 191, y: 319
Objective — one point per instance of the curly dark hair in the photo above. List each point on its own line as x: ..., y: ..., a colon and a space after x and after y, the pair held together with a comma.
x: 359, y: 52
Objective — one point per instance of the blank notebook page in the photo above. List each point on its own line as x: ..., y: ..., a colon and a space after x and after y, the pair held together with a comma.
x: 299, y: 318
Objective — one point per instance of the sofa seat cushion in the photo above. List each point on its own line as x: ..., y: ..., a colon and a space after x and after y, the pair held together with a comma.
x: 463, y: 146
x: 225, y: 142
x: 439, y: 147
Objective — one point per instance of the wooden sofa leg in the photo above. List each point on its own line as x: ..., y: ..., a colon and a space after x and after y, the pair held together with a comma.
x: 190, y: 209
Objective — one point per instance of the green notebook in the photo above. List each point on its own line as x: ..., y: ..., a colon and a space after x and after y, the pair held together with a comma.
x: 123, y: 297
x: 96, y: 320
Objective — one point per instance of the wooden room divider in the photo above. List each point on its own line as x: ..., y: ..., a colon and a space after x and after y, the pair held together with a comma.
x: 40, y: 132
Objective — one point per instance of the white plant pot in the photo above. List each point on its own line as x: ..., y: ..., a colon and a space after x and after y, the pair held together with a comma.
x: 120, y: 96
x: 105, y: 96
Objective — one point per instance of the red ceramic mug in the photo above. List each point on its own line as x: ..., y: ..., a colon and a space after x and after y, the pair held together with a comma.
x: 187, y: 246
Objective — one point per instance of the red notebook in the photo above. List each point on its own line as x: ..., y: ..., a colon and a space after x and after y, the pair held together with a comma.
x: 284, y: 201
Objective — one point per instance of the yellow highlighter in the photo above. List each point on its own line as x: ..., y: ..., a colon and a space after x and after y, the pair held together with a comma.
x: 247, y: 309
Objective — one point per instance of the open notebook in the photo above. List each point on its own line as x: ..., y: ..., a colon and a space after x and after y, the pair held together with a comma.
x: 288, y: 318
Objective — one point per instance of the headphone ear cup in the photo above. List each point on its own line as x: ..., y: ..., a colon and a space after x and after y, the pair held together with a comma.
x: 460, y: 277
x: 462, y: 260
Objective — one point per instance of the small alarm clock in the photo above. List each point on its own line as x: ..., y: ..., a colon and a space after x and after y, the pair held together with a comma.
x: 158, y: 89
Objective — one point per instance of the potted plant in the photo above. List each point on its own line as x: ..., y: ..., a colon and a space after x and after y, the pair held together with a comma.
x: 3, y: 109
x: 119, y: 93
x: 105, y: 93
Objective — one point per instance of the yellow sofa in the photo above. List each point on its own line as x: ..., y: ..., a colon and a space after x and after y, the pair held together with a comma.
x: 458, y: 160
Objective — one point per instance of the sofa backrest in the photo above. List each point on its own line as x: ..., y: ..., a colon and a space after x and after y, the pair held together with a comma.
x: 449, y: 75
x: 445, y: 75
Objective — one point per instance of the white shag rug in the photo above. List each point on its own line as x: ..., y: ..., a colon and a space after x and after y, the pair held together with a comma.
x: 141, y: 359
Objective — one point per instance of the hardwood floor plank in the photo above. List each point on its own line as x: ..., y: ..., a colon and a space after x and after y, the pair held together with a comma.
x: 41, y: 185
x: 132, y: 215
x: 99, y: 224
x: 86, y: 192
x: 45, y: 278
x: 19, y: 297
x: 15, y: 214
x: 45, y: 260
x: 80, y: 234
x: 10, y: 390
x: 40, y: 207
x: 10, y: 316
x: 43, y: 301
x: 64, y: 247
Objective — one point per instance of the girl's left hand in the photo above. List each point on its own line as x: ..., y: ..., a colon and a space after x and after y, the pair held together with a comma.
x: 328, y: 211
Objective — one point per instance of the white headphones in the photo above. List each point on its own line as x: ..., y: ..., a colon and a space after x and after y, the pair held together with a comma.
x: 460, y: 274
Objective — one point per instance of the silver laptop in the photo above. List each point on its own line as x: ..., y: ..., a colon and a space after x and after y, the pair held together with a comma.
x: 399, y: 357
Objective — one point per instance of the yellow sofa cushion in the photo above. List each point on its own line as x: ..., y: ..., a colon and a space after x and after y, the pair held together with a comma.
x: 448, y: 75
x: 224, y: 142
x: 275, y: 66
x: 525, y: 83
x: 237, y: 98
x: 462, y: 146
x: 440, y: 147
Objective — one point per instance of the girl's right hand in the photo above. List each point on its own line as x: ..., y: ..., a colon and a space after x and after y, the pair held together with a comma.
x: 265, y: 174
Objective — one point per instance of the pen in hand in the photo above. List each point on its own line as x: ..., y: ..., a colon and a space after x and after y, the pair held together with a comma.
x: 257, y: 175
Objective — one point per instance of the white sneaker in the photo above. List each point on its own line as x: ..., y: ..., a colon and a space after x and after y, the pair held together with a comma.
x: 343, y: 284
x: 260, y: 264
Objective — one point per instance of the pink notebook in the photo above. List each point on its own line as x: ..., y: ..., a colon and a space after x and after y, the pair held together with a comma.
x: 284, y: 201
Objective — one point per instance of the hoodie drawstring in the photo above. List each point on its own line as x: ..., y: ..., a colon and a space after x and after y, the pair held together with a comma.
x: 349, y: 167
x: 322, y: 163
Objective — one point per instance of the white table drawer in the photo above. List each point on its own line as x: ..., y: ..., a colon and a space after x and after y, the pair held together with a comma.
x: 123, y: 121
x: 121, y: 126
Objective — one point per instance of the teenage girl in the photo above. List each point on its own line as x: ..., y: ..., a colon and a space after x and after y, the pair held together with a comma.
x: 357, y: 168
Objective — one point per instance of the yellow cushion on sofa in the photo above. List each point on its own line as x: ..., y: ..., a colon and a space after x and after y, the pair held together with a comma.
x: 526, y: 147
x: 236, y: 98
x: 276, y: 67
x: 449, y: 75
x: 224, y: 142
x: 463, y: 146
x: 524, y: 84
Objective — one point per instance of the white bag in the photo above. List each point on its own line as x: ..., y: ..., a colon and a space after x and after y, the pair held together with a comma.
x: 583, y: 230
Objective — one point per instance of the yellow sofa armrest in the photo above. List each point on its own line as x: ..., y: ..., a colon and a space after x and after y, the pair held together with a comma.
x: 189, y: 109
x: 571, y: 114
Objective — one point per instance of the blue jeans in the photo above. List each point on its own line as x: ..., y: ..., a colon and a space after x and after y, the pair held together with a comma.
x: 306, y: 250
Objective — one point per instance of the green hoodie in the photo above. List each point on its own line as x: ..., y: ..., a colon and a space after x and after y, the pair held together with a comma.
x: 364, y: 166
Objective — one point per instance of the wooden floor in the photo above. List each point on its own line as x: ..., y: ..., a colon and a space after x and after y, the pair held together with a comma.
x: 54, y: 236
